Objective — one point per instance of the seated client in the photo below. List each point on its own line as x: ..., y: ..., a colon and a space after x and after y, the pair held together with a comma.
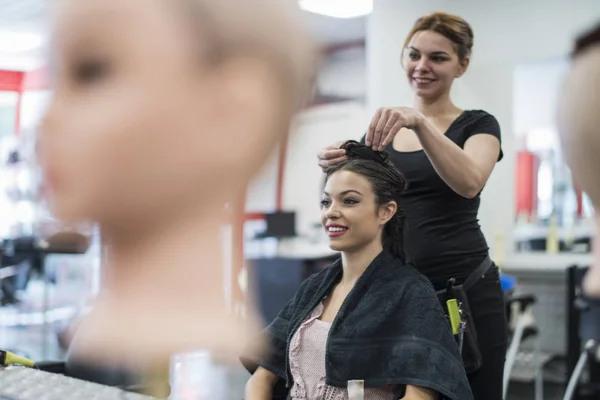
x: 369, y: 320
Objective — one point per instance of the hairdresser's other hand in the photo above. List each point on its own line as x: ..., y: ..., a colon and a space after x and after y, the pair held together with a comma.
x: 331, y: 155
x: 387, y: 122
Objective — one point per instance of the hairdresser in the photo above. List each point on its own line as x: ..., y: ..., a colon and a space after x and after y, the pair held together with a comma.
x: 447, y: 155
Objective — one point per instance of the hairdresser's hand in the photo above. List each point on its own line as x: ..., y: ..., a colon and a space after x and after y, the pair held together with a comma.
x: 331, y: 155
x: 387, y: 122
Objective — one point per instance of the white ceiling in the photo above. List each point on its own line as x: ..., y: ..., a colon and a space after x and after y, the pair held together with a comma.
x: 22, y: 17
x: 30, y: 16
x: 327, y: 30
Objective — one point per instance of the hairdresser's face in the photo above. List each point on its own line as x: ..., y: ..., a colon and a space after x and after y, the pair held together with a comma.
x: 139, y: 122
x: 350, y: 214
x: 432, y: 64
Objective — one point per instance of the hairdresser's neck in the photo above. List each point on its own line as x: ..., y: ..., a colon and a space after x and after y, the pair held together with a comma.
x: 175, y: 250
x: 437, y: 107
x: 354, y: 263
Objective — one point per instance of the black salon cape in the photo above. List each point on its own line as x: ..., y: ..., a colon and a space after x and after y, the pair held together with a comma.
x: 390, y: 330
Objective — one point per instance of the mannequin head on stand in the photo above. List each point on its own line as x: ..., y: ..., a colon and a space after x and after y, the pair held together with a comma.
x: 579, y: 129
x: 161, y: 113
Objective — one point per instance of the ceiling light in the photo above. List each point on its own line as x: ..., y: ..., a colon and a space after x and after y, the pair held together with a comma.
x: 338, y: 8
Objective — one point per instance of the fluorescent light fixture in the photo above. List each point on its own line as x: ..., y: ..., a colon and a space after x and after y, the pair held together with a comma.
x: 338, y: 8
x: 17, y: 42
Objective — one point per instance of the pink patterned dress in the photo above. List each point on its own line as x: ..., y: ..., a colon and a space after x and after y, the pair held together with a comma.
x: 307, y: 363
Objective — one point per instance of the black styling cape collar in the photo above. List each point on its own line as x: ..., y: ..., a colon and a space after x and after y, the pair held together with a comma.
x: 390, y: 330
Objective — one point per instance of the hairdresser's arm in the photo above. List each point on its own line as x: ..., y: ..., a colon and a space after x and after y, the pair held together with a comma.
x: 260, y: 385
x: 420, y: 393
x: 466, y: 170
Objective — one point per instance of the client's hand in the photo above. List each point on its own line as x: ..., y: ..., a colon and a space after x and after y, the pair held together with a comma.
x: 331, y: 155
x: 420, y: 393
x: 260, y: 385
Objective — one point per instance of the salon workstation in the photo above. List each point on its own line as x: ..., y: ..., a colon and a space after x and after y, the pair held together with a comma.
x: 409, y: 223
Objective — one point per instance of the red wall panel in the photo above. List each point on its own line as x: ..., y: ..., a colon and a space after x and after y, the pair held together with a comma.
x: 526, y: 183
x: 11, y: 81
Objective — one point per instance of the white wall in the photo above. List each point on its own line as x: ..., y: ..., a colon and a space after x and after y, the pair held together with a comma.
x: 344, y: 74
x: 341, y: 74
x: 33, y: 106
x: 536, y: 94
x: 507, y: 33
x: 261, y: 195
x: 313, y: 130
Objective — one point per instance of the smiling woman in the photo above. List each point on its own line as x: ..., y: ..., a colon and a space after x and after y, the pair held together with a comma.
x: 361, y: 202
x: 370, y: 298
x: 446, y: 154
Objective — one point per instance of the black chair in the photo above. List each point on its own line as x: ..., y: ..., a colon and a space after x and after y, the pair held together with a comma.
x: 583, y: 338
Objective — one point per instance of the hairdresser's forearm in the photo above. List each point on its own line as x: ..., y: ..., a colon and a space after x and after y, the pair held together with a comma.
x: 451, y: 162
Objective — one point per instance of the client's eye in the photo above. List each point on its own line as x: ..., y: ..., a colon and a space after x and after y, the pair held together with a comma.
x: 90, y: 71
x: 324, y: 203
x: 350, y: 201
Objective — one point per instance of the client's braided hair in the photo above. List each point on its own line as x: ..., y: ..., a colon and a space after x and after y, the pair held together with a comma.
x: 388, y: 185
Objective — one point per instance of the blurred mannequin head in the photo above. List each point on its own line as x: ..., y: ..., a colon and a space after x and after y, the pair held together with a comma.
x: 162, y: 111
x: 160, y: 106
x: 579, y: 127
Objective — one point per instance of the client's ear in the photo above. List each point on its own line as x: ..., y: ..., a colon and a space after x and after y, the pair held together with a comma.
x: 252, y: 113
x: 387, y: 212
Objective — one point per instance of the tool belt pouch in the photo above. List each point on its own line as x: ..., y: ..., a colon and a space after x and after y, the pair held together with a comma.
x: 471, y: 355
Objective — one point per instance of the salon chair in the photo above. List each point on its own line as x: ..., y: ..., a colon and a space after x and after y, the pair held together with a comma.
x: 530, y: 364
x: 583, y: 339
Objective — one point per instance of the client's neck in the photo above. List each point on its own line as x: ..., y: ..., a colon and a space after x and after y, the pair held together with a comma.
x: 356, y: 262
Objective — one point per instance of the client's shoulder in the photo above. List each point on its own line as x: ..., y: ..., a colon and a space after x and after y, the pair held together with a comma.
x: 398, y: 270
x: 325, y: 275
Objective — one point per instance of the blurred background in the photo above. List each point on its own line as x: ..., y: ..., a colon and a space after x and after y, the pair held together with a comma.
x: 536, y: 220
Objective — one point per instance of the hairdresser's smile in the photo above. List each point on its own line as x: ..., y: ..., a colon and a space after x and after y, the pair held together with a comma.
x: 422, y: 82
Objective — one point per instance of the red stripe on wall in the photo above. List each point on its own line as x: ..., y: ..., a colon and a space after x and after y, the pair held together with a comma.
x: 11, y: 81
x: 36, y: 80
x: 579, y: 199
x: 18, y: 113
x: 280, y: 172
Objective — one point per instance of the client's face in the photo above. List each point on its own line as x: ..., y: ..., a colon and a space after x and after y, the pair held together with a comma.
x: 579, y: 128
x: 139, y: 122
x: 350, y: 214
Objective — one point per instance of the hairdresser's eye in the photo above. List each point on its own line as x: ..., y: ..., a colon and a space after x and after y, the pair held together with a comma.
x: 413, y: 56
x: 325, y: 203
x: 350, y: 201
x: 438, y: 59
x: 90, y: 71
